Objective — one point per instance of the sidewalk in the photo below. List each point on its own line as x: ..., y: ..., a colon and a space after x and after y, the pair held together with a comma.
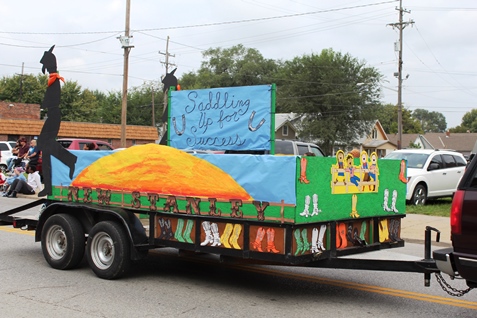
x: 413, y: 227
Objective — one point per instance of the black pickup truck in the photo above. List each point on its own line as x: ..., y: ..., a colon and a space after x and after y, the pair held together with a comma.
x: 461, y: 259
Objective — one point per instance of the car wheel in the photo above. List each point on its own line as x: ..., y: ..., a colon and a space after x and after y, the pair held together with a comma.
x: 419, y: 196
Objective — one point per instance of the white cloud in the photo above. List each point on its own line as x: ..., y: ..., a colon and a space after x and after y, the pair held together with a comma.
x: 438, y: 52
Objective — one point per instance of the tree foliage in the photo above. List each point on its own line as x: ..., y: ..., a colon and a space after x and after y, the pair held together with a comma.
x: 27, y: 88
x: 235, y: 66
x: 468, y: 124
x: 337, y: 93
x: 388, y: 117
x: 77, y: 104
x: 430, y: 121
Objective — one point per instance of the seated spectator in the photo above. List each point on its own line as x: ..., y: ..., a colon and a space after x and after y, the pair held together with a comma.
x: 17, y: 174
x: 22, y: 153
x: 10, y: 161
x: 31, y: 186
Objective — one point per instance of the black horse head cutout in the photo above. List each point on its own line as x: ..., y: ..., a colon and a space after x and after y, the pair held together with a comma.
x: 49, y: 61
x: 169, y: 80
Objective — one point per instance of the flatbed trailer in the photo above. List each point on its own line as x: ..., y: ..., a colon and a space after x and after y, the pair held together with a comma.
x: 281, y: 210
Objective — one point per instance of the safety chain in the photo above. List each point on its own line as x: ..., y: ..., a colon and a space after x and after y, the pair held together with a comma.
x: 449, y: 289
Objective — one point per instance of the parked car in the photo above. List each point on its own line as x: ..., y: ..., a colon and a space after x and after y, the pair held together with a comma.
x: 430, y: 173
x: 285, y: 148
x: 461, y: 259
x: 78, y: 144
x: 5, y: 153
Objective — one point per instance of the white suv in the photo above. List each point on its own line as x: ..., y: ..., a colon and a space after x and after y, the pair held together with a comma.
x: 430, y: 173
x: 6, y: 152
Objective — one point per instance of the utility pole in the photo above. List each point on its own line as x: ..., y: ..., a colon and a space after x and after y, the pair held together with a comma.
x: 152, y: 106
x: 400, y: 25
x: 126, y: 45
x: 166, y: 63
x: 21, y: 82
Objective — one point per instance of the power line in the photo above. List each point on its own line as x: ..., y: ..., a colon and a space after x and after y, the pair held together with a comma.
x: 205, y: 24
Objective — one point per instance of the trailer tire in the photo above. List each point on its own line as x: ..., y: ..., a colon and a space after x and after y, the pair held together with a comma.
x: 63, y: 241
x: 108, y: 250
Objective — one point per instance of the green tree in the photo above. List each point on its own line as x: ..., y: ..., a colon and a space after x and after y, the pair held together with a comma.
x: 109, y: 107
x: 140, y: 104
x: 430, y: 121
x: 335, y: 92
x: 26, y: 88
x: 77, y: 104
x: 235, y: 66
x: 388, y: 117
x: 469, y: 121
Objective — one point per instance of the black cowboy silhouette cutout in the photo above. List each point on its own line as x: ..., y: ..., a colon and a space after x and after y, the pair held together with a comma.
x: 168, y: 81
x: 47, y: 140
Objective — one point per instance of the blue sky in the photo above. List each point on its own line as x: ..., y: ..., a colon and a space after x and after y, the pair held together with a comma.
x: 438, y: 49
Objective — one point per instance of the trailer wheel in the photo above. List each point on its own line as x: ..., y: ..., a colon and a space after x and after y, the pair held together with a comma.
x: 108, y: 250
x: 63, y: 241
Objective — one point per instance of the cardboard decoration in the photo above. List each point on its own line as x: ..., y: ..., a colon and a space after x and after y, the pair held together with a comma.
x: 168, y: 81
x: 47, y: 139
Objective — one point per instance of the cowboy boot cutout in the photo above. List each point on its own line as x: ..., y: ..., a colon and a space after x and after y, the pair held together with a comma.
x: 320, y: 237
x: 349, y: 232
x: 402, y: 170
x: 362, y: 233
x: 306, y: 210
x: 316, y: 211
x: 391, y: 230
x: 393, y: 202
x: 162, y: 226
x: 188, y: 230
x: 356, y: 238
x: 306, y: 244
x: 299, y: 243
x: 169, y: 233
x: 383, y: 230
x: 271, y: 241
x: 354, y: 203
x: 257, y: 244
x: 314, y: 240
x: 179, y: 228
x: 338, y: 237
x: 224, y: 239
x: 386, y: 201
x: 303, y: 164
x: 208, y: 233
x: 216, y: 235
x: 395, y: 231
x: 235, y: 236
x: 342, y: 234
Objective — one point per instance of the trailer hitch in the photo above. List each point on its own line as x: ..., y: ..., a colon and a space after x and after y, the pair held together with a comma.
x: 427, y: 250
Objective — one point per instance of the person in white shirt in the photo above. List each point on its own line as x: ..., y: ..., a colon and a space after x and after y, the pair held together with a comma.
x: 26, y: 187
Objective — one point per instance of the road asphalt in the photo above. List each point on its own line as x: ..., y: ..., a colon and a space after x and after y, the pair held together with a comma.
x: 413, y: 226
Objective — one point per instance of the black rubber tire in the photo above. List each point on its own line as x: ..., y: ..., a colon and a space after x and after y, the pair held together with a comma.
x: 419, y: 195
x: 108, y: 250
x: 63, y: 241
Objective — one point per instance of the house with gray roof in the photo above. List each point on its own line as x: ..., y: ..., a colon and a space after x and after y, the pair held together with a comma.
x: 460, y: 142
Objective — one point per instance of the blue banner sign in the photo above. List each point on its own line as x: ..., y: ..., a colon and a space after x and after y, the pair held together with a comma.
x: 232, y: 118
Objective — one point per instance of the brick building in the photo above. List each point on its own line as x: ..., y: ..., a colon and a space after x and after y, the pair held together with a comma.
x: 19, y: 119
